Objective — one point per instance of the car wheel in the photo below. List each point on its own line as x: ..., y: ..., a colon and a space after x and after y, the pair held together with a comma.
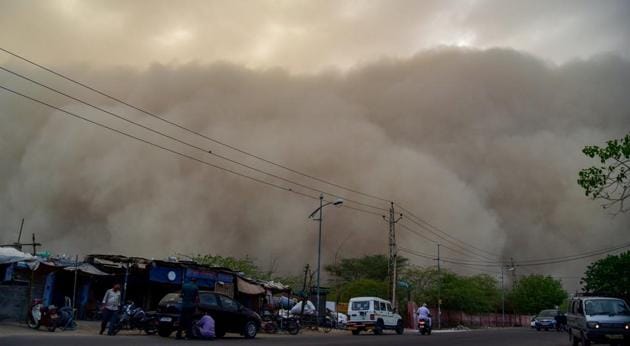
x: 422, y: 332
x: 250, y: 329
x: 293, y: 327
x: 400, y: 329
x: 378, y: 329
x: 164, y: 332
x: 356, y: 332
x: 585, y: 342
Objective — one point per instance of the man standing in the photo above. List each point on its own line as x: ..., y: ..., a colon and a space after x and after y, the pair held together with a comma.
x: 424, y: 314
x: 190, y: 298
x: 111, y: 303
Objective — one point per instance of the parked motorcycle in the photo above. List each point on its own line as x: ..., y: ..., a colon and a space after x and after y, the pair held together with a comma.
x: 424, y: 326
x: 133, y: 317
x: 40, y: 315
x: 273, y: 323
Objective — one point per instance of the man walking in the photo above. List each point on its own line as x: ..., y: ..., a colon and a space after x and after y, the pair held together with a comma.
x: 111, y: 304
x: 190, y: 298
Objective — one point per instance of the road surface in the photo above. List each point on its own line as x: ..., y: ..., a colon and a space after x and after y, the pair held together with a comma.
x: 492, y: 337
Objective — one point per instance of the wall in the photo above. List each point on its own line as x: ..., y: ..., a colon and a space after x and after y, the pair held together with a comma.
x: 13, y: 302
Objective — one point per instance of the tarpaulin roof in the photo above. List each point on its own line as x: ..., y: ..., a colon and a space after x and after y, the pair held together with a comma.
x: 12, y: 255
x: 248, y: 287
x: 86, y: 268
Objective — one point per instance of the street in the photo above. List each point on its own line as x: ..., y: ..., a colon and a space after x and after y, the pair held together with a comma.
x: 490, y: 337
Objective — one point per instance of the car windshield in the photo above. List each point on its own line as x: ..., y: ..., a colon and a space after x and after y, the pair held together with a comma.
x: 361, y: 305
x: 548, y: 313
x: 606, y: 307
x: 171, y: 298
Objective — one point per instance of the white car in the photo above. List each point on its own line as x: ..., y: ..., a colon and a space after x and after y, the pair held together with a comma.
x: 373, y: 314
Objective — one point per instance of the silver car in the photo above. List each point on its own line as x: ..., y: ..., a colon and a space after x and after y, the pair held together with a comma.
x: 598, y: 320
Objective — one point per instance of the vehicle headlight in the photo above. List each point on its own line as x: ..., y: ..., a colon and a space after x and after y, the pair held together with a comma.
x: 593, y: 325
x: 627, y: 326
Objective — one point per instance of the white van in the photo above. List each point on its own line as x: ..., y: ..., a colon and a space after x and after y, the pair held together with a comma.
x: 372, y: 313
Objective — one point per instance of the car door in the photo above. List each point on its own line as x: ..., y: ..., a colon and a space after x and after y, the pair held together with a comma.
x: 231, y: 309
x: 390, y: 316
x: 208, y: 303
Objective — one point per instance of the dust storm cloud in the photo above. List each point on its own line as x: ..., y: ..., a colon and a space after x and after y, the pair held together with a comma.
x: 482, y: 143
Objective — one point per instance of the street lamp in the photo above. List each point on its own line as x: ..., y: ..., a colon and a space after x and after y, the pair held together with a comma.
x: 338, y: 202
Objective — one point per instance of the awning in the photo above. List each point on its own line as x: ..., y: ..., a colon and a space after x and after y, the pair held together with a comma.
x: 249, y: 288
x: 86, y: 268
x: 12, y: 255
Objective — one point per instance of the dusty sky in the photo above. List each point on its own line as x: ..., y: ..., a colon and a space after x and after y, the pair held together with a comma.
x: 305, y: 36
x: 470, y: 113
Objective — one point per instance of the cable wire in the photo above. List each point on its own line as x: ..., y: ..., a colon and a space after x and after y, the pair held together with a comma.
x: 208, y: 152
x: 181, y: 127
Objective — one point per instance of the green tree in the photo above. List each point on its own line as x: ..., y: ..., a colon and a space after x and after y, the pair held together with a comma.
x: 610, y: 181
x: 479, y: 293
x: 536, y: 292
x: 373, y: 267
x: 361, y: 288
x: 242, y: 265
x: 609, y: 276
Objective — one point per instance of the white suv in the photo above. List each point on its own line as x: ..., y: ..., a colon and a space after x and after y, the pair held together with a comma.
x: 372, y: 313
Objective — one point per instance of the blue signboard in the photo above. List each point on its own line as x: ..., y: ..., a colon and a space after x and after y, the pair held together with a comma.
x: 205, y: 278
x: 168, y: 275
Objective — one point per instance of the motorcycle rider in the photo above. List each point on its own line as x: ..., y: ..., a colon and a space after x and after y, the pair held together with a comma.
x: 424, y: 314
x: 111, y: 304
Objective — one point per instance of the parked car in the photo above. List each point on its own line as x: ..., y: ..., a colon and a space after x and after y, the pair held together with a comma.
x: 372, y: 314
x: 546, y: 319
x: 229, y: 315
x: 598, y: 320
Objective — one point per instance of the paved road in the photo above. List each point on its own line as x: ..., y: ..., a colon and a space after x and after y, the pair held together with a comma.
x: 510, y: 337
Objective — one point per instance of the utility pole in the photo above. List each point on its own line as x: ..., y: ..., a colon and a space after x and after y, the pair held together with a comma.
x: 393, y: 253
x: 502, y: 297
x: 20, y: 234
x: 513, y: 269
x: 439, y: 288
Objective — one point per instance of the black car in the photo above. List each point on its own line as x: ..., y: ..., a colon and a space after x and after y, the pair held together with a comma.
x: 228, y: 314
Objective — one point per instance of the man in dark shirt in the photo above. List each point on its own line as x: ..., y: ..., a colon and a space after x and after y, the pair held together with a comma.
x: 190, y: 299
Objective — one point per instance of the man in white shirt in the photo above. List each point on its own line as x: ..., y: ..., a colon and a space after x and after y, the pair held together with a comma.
x: 424, y: 314
x: 111, y: 304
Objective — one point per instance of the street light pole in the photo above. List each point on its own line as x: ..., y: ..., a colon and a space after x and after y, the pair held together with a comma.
x: 319, y: 251
x: 337, y: 202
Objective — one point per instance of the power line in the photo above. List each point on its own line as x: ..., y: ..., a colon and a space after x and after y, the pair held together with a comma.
x: 181, y: 127
x: 277, y: 186
x: 118, y: 116
x: 575, y: 257
x: 448, y: 239
x: 405, y: 227
x: 431, y: 228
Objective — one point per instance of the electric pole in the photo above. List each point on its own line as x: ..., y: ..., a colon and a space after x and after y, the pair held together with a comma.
x: 502, y: 297
x: 439, y: 288
x: 393, y: 253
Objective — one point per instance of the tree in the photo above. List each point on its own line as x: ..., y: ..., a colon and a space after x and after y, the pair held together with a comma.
x: 609, y: 276
x: 241, y: 265
x: 473, y: 294
x: 610, y: 181
x: 373, y: 267
x: 536, y: 292
x: 361, y: 288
